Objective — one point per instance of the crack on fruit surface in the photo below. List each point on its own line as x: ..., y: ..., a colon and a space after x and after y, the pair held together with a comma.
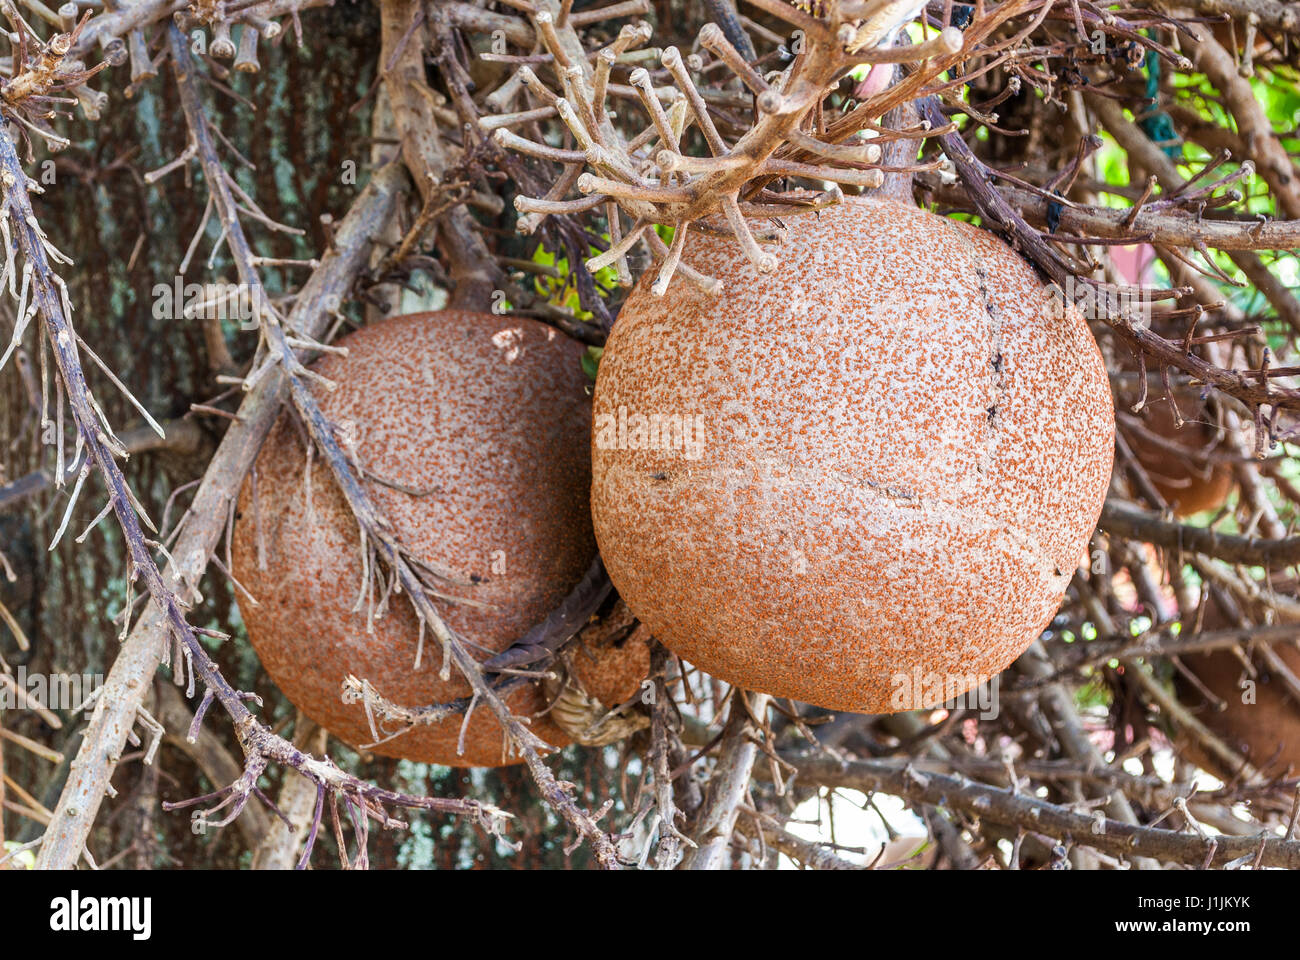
x: 962, y: 515
x: 1000, y: 389
x: 892, y: 493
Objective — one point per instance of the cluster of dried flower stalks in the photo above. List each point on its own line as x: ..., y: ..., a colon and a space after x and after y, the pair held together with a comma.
x: 605, y: 139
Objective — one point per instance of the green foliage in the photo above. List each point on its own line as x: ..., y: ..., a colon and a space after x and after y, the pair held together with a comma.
x: 1094, y: 694
x: 21, y: 861
x: 561, y: 291
x: 591, y: 361
x: 1281, y: 101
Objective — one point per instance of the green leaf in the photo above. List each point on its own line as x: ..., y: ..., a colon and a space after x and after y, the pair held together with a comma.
x: 591, y: 361
x: 22, y: 861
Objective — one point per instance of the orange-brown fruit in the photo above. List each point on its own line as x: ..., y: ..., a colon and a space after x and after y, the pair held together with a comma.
x: 596, y: 686
x: 1181, y: 461
x: 1267, y: 731
x: 473, y: 430
x: 1232, y: 36
x: 872, y: 473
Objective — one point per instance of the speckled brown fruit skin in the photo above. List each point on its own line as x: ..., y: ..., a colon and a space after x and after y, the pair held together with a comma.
x: 601, y: 669
x: 904, y: 458
x: 1266, y: 732
x: 610, y: 657
x: 491, y: 415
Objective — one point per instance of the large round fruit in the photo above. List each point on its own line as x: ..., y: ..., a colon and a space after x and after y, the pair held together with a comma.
x: 473, y: 430
x: 862, y: 481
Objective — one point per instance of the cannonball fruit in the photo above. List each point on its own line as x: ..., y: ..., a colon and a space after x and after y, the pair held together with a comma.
x: 472, y: 431
x: 863, y: 480
x: 595, y: 688
x: 1184, y: 471
x: 1261, y: 720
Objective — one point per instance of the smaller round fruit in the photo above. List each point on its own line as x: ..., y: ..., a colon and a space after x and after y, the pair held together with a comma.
x: 1187, y: 464
x: 596, y: 682
x: 1261, y: 720
x: 472, y: 432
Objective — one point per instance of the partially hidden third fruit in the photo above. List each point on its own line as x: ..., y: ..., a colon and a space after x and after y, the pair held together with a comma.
x: 1250, y: 709
x: 472, y: 432
x: 1186, y: 464
x: 862, y: 481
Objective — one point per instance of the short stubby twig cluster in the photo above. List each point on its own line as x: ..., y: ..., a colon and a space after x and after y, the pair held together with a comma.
x: 653, y: 180
x: 42, y: 67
